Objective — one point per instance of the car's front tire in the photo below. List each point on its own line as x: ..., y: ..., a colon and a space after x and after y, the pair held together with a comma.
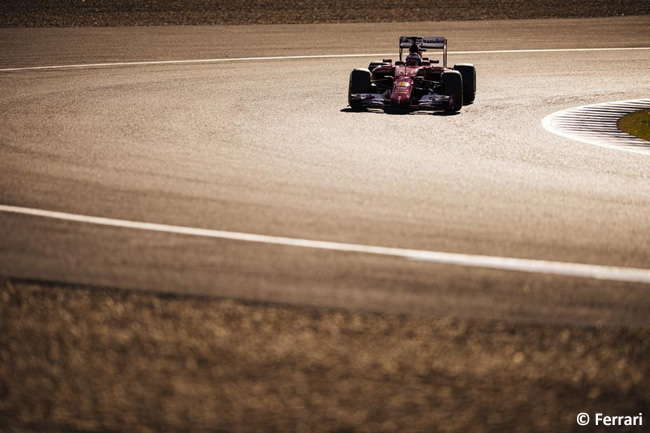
x: 452, y: 86
x: 359, y: 83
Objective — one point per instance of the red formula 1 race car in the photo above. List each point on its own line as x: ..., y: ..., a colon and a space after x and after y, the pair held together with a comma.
x: 415, y: 82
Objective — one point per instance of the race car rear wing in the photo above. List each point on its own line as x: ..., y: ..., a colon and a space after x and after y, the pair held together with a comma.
x: 423, y: 43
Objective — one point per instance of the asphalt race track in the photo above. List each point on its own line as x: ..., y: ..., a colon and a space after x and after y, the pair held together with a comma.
x: 268, y: 147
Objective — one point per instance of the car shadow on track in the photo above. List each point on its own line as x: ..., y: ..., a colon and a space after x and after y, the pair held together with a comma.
x: 398, y: 112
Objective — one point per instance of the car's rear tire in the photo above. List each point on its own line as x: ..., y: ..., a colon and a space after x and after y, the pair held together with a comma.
x: 359, y: 83
x: 468, y: 72
x: 452, y: 86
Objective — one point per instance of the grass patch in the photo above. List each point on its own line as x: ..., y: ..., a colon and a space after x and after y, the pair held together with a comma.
x: 101, y: 13
x: 637, y: 124
x: 87, y: 359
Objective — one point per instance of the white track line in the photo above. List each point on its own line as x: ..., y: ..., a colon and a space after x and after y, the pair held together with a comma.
x: 322, y: 56
x: 490, y: 262
x: 596, y: 124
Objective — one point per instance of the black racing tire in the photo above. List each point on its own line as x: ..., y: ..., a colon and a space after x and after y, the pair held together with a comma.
x: 468, y: 72
x: 452, y: 85
x: 359, y: 83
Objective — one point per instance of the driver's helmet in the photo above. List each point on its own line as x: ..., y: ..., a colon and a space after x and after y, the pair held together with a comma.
x: 413, y: 59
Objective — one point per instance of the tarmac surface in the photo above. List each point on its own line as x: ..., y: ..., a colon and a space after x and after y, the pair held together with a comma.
x: 269, y: 147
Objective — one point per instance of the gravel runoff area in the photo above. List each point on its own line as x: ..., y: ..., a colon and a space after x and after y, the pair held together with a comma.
x: 81, y: 13
x: 98, y: 360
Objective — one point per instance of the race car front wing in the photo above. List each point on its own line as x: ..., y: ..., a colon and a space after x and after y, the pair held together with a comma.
x: 432, y: 100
